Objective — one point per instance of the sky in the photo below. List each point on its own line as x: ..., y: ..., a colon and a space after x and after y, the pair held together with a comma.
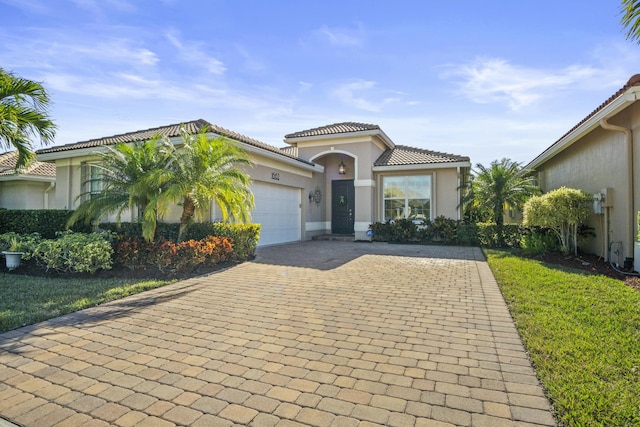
x: 485, y: 79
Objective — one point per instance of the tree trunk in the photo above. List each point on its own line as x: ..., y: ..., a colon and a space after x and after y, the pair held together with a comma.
x: 188, y: 210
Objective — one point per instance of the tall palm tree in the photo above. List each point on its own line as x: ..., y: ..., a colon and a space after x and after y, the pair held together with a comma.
x: 24, y: 115
x: 202, y: 170
x: 631, y: 19
x: 504, y: 183
x: 126, y: 173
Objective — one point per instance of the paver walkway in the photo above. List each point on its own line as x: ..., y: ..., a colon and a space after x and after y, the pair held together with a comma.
x: 316, y: 333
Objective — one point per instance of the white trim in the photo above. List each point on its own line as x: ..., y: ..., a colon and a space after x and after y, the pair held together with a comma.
x: 27, y: 177
x: 374, y: 132
x: 364, y: 183
x: 432, y: 190
x: 421, y: 167
x: 334, y: 151
x: 361, y: 226
x: 281, y: 158
x: 317, y: 226
x: 627, y: 98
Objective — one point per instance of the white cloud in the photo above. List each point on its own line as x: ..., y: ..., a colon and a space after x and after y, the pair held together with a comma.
x: 304, y: 86
x: 353, y: 94
x: 194, y: 53
x: 342, y: 37
x: 98, y: 7
x: 494, y: 80
x: 32, y: 6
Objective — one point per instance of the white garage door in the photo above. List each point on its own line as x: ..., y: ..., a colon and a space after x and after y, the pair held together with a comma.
x: 278, y: 211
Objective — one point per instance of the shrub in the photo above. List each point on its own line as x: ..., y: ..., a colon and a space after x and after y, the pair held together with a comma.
x: 46, y: 222
x: 27, y: 243
x: 467, y: 234
x: 75, y: 252
x: 511, y: 235
x: 562, y: 211
x: 445, y: 231
x: 441, y: 229
x: 243, y: 236
x: 539, y: 241
x: 164, y: 255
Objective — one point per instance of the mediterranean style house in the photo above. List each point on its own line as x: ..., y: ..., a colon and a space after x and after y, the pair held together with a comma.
x: 601, y: 155
x: 32, y: 187
x: 335, y: 179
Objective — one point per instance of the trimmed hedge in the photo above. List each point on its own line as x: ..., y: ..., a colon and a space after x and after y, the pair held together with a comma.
x: 446, y: 231
x: 46, y: 222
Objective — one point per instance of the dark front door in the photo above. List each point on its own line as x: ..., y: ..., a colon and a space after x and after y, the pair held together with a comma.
x: 342, y: 206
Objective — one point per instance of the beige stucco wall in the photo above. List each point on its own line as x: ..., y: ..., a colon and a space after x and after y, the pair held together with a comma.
x: 22, y: 194
x: 444, y: 191
x: 265, y: 169
x: 595, y: 162
x: 357, y: 152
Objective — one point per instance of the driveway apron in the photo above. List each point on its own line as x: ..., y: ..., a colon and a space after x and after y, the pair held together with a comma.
x: 312, y: 333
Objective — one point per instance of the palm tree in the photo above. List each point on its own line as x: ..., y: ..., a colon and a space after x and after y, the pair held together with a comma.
x: 631, y: 19
x: 202, y: 170
x: 124, y: 180
x: 502, y: 184
x: 24, y: 115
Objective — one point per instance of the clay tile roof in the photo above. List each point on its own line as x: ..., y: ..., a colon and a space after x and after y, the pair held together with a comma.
x: 8, y: 164
x: 336, y: 128
x: 168, y: 131
x: 633, y: 81
x: 403, y: 155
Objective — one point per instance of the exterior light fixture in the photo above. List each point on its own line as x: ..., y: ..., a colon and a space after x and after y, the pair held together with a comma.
x: 341, y: 168
x: 315, y: 196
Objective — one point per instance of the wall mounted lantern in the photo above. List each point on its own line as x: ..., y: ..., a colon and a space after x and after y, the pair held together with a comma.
x: 341, y: 168
x: 315, y: 196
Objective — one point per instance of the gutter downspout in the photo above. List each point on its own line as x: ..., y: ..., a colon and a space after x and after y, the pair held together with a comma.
x: 459, y: 194
x: 629, y: 244
x: 46, y: 194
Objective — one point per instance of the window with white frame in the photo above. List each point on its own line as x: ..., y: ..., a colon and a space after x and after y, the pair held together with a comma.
x: 407, y: 197
x: 91, y: 180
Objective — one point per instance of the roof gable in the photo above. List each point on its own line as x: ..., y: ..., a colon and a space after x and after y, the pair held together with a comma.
x: 334, y: 129
x: 402, y: 155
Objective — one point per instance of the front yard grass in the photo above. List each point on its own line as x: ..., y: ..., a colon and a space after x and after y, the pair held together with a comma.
x: 25, y: 300
x: 583, y: 335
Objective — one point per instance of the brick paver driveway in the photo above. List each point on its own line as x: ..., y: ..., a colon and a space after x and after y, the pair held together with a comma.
x: 316, y: 333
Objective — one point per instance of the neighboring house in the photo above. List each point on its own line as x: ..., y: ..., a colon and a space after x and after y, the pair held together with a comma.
x: 32, y: 187
x: 601, y: 155
x: 336, y: 179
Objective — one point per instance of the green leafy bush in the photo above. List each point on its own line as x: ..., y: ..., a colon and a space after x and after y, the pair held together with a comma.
x: 27, y: 243
x: 46, y: 222
x: 539, y: 241
x: 75, y: 252
x: 511, y: 233
x: 441, y: 229
x: 445, y: 231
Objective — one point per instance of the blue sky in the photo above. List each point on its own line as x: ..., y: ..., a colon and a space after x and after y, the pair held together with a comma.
x: 486, y: 79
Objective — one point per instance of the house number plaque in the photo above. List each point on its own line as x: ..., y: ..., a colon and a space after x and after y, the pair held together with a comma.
x: 275, y: 176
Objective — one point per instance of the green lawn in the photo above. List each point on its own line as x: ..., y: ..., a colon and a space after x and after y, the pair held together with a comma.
x: 583, y: 335
x: 25, y: 300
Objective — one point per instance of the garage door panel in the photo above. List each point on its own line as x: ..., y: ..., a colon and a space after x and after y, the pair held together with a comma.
x: 278, y: 211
